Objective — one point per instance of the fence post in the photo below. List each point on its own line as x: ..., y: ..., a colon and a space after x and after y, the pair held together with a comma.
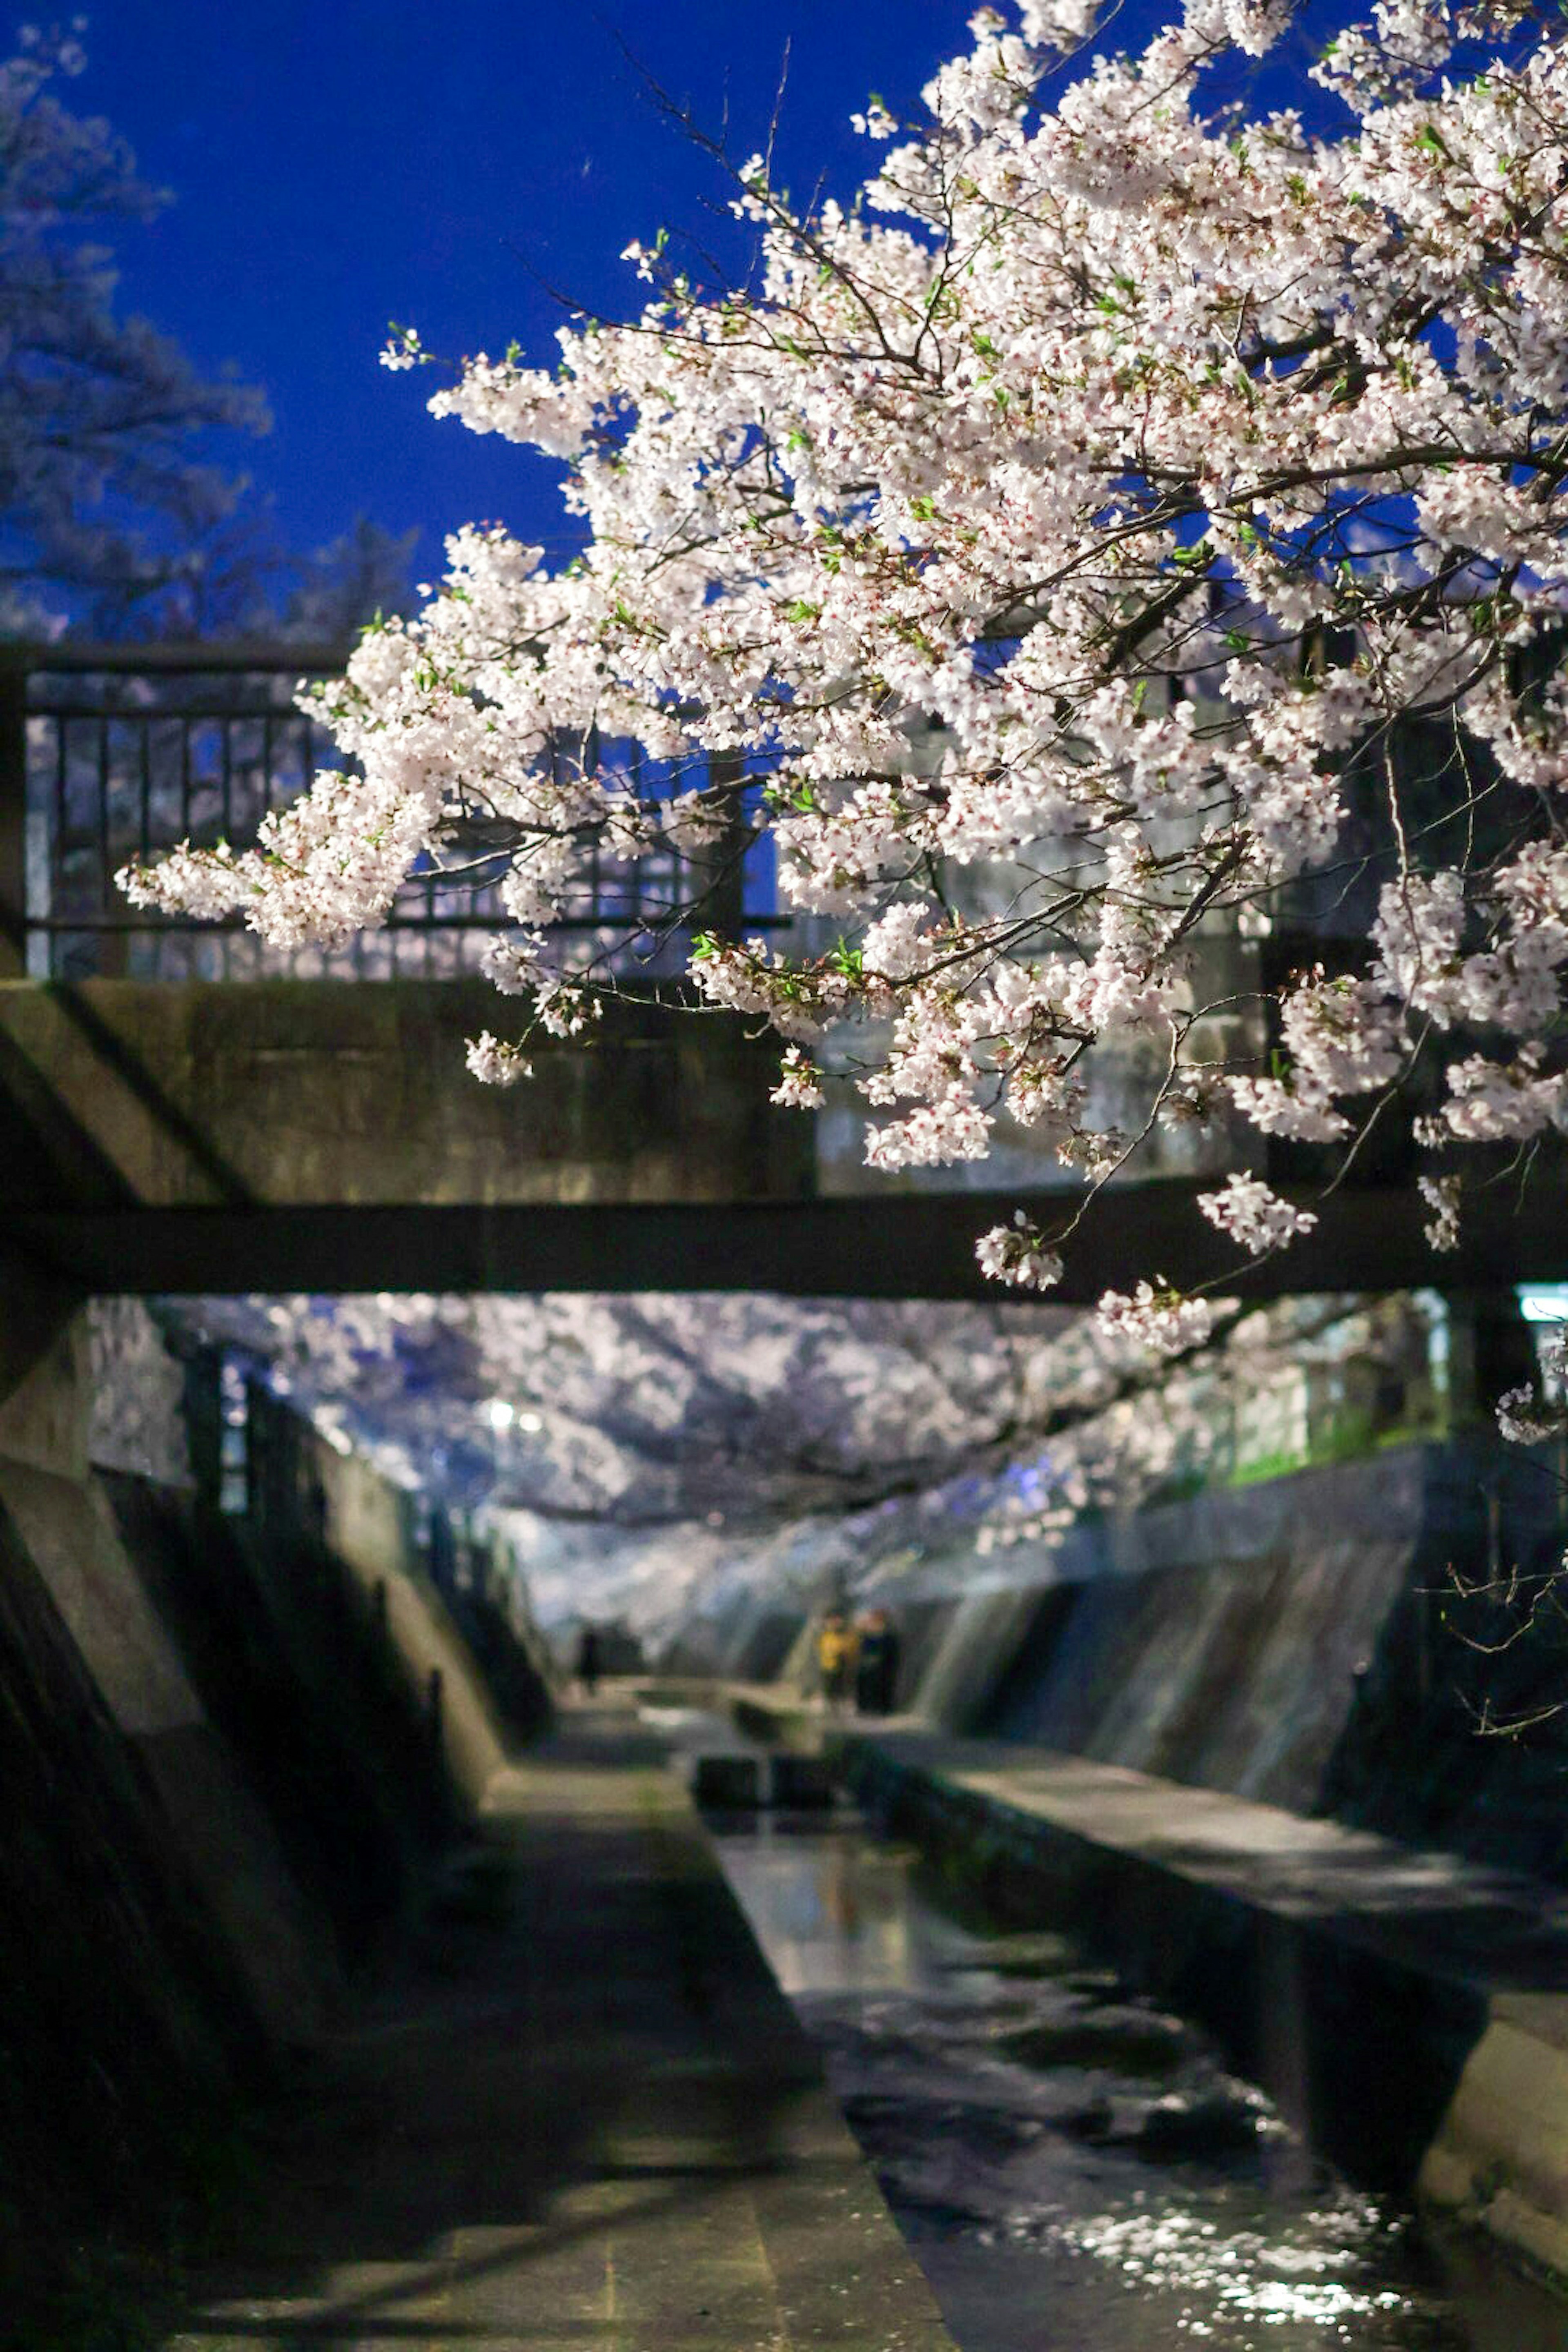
x: 1491, y: 1349
x: 13, y: 818
x: 724, y: 904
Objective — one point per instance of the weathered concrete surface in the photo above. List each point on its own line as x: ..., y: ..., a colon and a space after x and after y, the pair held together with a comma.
x: 122, y: 1093
x: 1222, y: 1640
x: 44, y: 1358
x: 1299, y: 1640
x: 326, y: 1135
x: 584, y: 2118
x: 366, y: 1529
x: 1406, y: 2008
x: 69, y: 1533
x: 280, y: 1659
x: 222, y: 1836
x: 124, y: 2025
x: 61, y: 1523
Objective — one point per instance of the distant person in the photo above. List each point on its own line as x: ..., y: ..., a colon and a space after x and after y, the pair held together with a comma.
x: 836, y: 1653
x: 876, y: 1664
x: 588, y: 1659
x: 316, y: 1510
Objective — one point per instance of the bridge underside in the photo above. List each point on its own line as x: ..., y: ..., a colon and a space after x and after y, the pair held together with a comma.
x: 918, y: 1247
x: 326, y: 1136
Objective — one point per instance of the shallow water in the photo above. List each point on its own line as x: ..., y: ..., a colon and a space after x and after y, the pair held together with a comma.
x: 1073, y: 2167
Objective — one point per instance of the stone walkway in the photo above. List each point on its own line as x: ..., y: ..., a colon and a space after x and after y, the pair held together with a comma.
x: 581, y: 2116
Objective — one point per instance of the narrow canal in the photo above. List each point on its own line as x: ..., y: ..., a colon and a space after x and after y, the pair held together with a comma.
x: 1073, y: 2167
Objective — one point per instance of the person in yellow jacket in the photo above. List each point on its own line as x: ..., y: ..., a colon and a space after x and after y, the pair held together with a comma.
x: 836, y: 1645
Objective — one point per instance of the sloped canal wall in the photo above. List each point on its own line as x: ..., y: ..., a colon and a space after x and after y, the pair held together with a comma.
x: 221, y: 1769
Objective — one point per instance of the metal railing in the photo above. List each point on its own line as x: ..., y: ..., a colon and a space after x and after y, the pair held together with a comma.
x: 109, y: 752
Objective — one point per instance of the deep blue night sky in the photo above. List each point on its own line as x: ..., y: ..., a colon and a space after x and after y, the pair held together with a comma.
x: 336, y: 166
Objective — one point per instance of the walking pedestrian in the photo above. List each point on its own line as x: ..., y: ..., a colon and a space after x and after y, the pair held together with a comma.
x: 588, y: 1659
x: 876, y: 1664
x: 836, y: 1653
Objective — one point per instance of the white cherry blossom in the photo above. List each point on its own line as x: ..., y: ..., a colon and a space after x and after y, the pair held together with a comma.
x: 1155, y: 1316
x: 800, y: 1082
x: 1441, y: 1194
x: 1018, y: 1254
x: 1254, y: 1215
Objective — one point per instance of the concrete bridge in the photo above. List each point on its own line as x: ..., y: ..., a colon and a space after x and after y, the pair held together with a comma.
x: 182, y: 1135
x: 325, y: 1135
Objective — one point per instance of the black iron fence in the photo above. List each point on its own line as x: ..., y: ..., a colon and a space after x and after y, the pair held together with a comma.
x: 113, y: 752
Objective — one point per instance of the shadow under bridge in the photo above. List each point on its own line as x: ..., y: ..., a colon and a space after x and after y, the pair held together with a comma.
x: 327, y: 1136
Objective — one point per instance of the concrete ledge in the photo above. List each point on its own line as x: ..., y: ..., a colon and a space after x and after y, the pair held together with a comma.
x: 1500, y: 2157
x: 765, y: 1714
x: 1403, y: 2007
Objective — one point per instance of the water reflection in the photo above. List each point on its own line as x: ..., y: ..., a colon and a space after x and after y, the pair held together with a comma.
x: 1074, y: 2168
x: 835, y: 1913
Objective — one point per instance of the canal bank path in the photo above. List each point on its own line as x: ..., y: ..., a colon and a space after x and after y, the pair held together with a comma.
x: 578, y: 2114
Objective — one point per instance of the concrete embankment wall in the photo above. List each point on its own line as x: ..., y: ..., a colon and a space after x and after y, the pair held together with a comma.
x: 365, y: 1527
x: 126, y: 2030
x: 330, y: 1739
x: 1300, y: 1642
x: 220, y: 1762
x: 130, y: 2024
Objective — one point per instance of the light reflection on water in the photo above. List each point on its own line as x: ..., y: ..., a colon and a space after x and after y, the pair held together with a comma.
x: 1073, y: 2169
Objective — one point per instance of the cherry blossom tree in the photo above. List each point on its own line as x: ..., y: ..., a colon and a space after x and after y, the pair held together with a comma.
x: 1144, y: 500
x: 106, y: 488
x: 660, y: 1451
x: 241, y: 580
x: 115, y: 515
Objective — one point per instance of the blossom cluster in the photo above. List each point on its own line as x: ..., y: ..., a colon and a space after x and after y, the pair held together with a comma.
x: 1155, y: 1316
x: 1441, y: 1195
x: 1254, y: 1215
x: 1018, y: 1254
x: 800, y: 1082
x: 1526, y: 1417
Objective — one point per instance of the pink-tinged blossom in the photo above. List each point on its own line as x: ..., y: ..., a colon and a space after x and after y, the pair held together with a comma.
x: 1528, y: 1418
x: 1018, y: 1254
x: 800, y: 1082
x: 564, y: 1010
x: 1523, y: 1421
x: 899, y: 943
x: 495, y: 1062
x: 1419, y: 920
x: 1157, y: 1317
x: 1501, y: 1102
x: 1441, y: 1194
x: 1302, y: 1113
x: 1254, y: 1215
x: 746, y: 980
x: 1341, y: 1035
x: 935, y: 1135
